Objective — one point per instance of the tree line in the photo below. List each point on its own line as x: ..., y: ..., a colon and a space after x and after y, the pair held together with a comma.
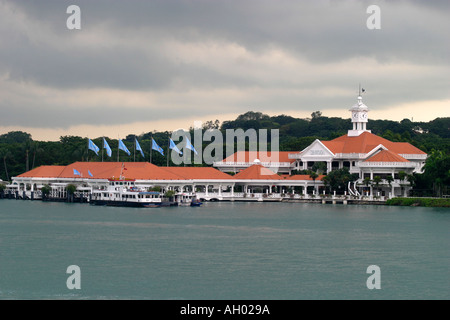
x: 20, y: 153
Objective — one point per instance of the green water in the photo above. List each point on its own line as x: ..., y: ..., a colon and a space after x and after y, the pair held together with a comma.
x: 223, y: 251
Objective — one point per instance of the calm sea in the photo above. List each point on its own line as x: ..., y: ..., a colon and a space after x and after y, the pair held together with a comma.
x: 274, y: 251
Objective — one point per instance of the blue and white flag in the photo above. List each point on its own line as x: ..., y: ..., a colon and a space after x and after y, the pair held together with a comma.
x: 123, y: 147
x: 76, y: 172
x: 108, y: 149
x: 156, y: 147
x: 190, y: 146
x: 89, y: 171
x: 138, y: 148
x: 174, y: 147
x: 93, y: 147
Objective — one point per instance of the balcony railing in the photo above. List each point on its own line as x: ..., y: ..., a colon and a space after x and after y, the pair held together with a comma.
x: 248, y: 164
x: 387, y: 164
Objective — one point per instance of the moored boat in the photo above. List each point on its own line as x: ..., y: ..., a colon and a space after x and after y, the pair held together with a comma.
x: 124, y: 193
x: 188, y: 199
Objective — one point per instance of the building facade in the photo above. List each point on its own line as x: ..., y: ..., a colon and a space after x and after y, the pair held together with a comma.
x: 381, y: 165
x: 382, y: 168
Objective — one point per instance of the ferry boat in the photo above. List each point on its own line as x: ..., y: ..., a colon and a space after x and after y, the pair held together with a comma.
x: 188, y: 199
x: 124, y: 193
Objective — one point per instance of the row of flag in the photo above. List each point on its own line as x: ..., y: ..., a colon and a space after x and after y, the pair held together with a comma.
x: 78, y: 173
x: 123, y: 147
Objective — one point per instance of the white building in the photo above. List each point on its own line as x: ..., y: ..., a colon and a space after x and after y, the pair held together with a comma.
x: 362, y: 152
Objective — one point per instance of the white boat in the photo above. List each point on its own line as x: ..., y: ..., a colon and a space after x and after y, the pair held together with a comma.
x: 124, y: 193
x: 187, y: 200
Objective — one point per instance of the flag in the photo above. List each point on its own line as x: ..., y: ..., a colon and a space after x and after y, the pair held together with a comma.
x: 190, y: 146
x: 123, y: 147
x: 138, y: 148
x: 76, y: 172
x: 174, y: 147
x: 93, y: 147
x: 108, y: 149
x: 90, y: 173
x: 156, y: 147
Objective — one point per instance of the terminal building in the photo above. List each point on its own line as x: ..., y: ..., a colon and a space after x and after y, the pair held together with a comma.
x: 251, y: 176
x: 361, y: 151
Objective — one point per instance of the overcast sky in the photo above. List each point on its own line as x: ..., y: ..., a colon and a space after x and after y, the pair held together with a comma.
x: 139, y: 66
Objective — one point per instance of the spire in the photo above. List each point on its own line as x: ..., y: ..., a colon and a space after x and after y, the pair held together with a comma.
x: 359, y: 115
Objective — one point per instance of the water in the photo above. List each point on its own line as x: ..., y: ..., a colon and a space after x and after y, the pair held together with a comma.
x: 223, y: 251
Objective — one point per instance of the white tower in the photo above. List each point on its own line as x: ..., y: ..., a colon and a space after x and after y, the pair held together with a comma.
x: 359, y: 117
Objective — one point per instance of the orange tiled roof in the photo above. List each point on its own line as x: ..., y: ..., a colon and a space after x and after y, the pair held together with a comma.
x: 366, y: 142
x: 251, y: 156
x: 43, y: 172
x: 257, y: 172
x: 386, y: 156
x: 188, y: 173
x: 131, y: 170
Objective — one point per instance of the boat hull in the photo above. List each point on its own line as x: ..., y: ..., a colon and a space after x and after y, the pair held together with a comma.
x: 133, y: 204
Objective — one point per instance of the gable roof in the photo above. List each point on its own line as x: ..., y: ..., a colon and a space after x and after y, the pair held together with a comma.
x: 366, y: 142
x: 191, y: 173
x: 386, y: 156
x: 107, y: 170
x: 257, y: 172
x: 43, y: 172
x: 130, y: 170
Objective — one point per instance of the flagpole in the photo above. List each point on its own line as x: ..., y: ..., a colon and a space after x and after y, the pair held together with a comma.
x: 185, y: 153
x: 103, y: 148
x: 151, y: 147
x: 87, y: 151
x: 134, y: 151
x: 118, y: 147
x: 168, y: 152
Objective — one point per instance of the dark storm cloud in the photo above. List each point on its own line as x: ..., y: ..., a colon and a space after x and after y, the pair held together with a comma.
x: 128, y: 45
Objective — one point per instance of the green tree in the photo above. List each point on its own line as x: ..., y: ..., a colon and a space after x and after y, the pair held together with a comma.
x: 46, y: 189
x: 71, y: 189
x: 402, y: 175
x: 6, y: 154
x: 437, y: 170
x: 316, y: 114
x: 338, y: 179
x: 367, y: 182
x: 313, y: 175
x: 377, y: 181
x: 389, y: 180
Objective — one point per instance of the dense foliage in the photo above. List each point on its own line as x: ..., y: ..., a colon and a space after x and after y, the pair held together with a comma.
x: 422, y: 202
x: 20, y: 153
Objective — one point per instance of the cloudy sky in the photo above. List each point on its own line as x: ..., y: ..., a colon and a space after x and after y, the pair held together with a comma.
x: 139, y: 66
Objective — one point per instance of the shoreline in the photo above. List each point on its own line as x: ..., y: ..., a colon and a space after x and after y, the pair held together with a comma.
x: 420, y: 202
x: 405, y: 202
